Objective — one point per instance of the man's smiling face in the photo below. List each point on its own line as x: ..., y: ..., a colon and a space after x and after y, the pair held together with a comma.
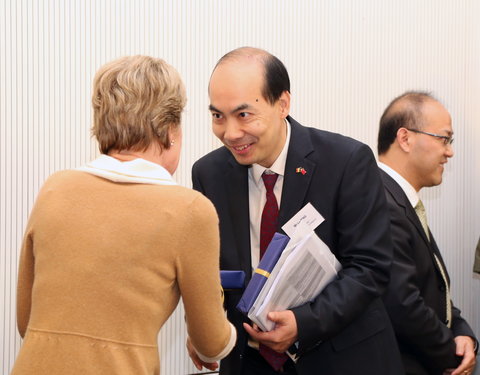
x: 249, y: 126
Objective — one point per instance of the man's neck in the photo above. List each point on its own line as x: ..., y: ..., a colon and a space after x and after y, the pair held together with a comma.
x: 401, y: 167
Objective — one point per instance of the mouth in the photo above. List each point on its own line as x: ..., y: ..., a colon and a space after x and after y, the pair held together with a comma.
x: 241, y: 149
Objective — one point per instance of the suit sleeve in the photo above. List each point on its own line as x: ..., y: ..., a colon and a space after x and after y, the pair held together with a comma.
x: 460, y: 327
x: 363, y: 247
x: 416, y: 324
x: 195, y: 180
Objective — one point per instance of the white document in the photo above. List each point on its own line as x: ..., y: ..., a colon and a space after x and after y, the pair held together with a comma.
x: 303, y: 222
x: 271, y: 279
x: 305, y: 267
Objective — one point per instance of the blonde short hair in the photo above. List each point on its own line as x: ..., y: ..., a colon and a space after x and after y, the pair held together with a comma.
x: 136, y: 100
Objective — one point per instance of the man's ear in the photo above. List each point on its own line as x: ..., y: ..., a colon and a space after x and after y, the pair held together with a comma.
x: 403, y: 139
x: 284, y: 102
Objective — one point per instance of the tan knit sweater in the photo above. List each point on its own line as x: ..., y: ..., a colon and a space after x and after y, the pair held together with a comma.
x: 103, y: 266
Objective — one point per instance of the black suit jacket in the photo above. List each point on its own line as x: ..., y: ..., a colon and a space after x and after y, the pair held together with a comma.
x: 415, y: 298
x: 345, y: 330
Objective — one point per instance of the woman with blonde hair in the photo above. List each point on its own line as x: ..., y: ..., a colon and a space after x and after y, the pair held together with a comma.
x: 111, y: 247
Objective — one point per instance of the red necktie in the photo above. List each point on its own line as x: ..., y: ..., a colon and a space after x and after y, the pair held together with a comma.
x: 268, y: 227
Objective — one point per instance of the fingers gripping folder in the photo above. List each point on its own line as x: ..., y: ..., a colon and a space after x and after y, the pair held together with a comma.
x: 293, y: 271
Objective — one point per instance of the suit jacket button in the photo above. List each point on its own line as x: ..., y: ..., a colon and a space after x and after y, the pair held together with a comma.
x: 442, y: 288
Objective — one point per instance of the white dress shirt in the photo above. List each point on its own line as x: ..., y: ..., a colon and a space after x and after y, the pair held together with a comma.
x: 257, y: 195
x: 407, y: 188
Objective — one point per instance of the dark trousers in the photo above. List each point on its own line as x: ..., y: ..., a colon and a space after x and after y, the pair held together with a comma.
x: 254, y: 364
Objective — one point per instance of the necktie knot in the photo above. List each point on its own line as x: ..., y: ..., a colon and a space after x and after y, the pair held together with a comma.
x: 269, y: 181
x: 420, y: 209
x: 422, y: 215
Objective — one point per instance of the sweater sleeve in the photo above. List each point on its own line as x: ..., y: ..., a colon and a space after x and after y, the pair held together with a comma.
x: 198, y: 276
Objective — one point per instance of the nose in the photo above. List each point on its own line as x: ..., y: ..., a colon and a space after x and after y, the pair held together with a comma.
x: 233, y: 131
x: 449, y: 151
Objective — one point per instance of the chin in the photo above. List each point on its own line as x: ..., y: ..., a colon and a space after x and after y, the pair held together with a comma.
x: 435, y: 182
x: 243, y: 160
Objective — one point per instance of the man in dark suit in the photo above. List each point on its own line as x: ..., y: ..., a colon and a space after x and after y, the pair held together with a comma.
x: 414, y: 144
x: 345, y: 330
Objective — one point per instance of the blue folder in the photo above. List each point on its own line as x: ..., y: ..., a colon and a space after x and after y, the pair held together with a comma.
x: 260, y: 275
x: 232, y: 279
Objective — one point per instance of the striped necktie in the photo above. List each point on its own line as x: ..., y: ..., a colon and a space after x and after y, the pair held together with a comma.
x: 420, y: 210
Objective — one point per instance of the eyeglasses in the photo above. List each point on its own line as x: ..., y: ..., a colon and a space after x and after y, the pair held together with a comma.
x: 446, y: 139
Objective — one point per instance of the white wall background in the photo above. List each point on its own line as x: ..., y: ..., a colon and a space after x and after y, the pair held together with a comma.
x: 347, y: 59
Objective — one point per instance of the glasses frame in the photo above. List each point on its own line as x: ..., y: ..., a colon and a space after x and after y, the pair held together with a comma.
x: 446, y: 139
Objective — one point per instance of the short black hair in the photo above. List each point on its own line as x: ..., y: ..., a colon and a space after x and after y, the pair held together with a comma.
x: 276, y: 79
x: 405, y: 111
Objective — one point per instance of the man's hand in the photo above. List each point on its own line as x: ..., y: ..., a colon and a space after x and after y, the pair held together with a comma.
x: 196, y: 360
x: 284, y: 334
x: 465, y: 346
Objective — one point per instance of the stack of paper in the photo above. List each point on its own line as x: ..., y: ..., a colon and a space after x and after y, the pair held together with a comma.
x: 262, y: 273
x: 306, y: 265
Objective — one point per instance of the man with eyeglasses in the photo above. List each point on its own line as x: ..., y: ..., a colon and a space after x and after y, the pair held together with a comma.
x: 414, y: 144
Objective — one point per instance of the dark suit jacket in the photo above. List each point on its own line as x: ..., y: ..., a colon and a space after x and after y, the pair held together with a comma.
x: 345, y: 330
x: 415, y: 298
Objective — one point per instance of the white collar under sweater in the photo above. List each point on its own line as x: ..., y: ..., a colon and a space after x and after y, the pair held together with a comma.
x: 134, y: 171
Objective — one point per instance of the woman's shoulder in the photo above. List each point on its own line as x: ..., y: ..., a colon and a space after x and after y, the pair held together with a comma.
x: 187, y: 208
x: 65, y: 175
x: 192, y: 199
x: 61, y: 179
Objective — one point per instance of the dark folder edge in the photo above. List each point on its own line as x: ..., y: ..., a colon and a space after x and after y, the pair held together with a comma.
x: 232, y: 279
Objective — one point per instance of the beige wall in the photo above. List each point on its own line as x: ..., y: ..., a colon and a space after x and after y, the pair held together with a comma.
x: 346, y: 58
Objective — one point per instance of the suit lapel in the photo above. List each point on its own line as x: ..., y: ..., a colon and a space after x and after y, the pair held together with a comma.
x: 401, y: 198
x: 295, y: 185
x: 413, y: 217
x: 436, y: 250
x: 237, y: 196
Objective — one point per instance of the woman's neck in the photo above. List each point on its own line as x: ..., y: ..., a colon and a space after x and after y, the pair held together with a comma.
x: 151, y: 154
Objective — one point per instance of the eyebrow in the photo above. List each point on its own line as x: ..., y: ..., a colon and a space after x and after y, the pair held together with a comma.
x: 241, y: 107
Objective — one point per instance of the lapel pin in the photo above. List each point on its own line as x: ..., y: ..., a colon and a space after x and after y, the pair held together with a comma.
x: 301, y: 170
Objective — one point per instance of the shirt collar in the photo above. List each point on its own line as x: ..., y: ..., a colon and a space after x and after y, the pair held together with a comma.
x: 133, y: 171
x: 408, y: 189
x: 278, y: 165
